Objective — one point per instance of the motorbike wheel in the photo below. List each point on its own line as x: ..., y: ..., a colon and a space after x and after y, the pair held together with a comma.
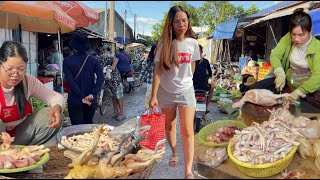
x: 127, y: 86
x: 105, y: 100
x: 196, y: 124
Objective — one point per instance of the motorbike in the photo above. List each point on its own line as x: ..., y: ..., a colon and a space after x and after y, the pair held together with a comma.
x: 201, y: 98
x: 104, y: 96
x: 127, y: 81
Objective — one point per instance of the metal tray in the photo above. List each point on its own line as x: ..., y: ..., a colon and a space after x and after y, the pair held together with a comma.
x: 76, y: 130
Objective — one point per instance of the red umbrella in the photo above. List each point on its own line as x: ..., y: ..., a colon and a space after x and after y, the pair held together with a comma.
x: 79, y: 12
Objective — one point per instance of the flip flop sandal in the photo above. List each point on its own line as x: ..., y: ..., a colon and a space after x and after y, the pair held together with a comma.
x: 189, y: 176
x: 112, y: 116
x: 121, y: 117
x: 173, y: 161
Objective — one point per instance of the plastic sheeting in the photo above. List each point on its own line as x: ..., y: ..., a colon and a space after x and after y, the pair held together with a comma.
x: 315, y: 17
x: 225, y: 30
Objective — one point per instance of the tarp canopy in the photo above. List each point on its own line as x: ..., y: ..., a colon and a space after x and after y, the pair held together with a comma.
x: 315, y: 17
x: 225, y: 30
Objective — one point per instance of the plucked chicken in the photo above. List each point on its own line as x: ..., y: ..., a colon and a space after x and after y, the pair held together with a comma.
x: 263, y: 97
x: 17, y: 157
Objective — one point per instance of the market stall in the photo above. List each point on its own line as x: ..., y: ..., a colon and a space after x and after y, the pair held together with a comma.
x: 278, y: 142
x: 84, y: 152
x: 228, y: 170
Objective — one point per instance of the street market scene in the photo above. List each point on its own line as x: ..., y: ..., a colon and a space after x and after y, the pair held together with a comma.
x: 160, y: 89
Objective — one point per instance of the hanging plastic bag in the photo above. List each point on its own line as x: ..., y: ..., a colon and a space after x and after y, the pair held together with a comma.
x: 311, y: 131
x: 305, y: 148
x: 156, y: 121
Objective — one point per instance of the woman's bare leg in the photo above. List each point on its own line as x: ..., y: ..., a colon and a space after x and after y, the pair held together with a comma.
x: 186, y: 128
x: 170, y: 127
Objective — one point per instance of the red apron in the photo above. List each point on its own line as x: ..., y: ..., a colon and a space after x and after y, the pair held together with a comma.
x: 10, y: 114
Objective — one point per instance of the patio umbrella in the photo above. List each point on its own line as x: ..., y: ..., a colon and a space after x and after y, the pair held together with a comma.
x: 83, y: 14
x: 36, y: 16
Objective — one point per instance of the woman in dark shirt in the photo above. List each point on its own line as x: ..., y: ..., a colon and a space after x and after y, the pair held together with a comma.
x: 200, y: 78
x: 82, y: 101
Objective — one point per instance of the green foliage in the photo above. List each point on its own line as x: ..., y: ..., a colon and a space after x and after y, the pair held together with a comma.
x: 157, y: 30
x: 37, y: 104
x: 252, y: 9
x: 210, y: 14
x: 192, y: 11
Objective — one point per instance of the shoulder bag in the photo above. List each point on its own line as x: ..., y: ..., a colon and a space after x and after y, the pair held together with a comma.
x: 82, y: 67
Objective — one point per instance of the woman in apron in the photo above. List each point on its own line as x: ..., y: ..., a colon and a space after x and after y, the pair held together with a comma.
x: 16, y: 114
x: 296, y: 58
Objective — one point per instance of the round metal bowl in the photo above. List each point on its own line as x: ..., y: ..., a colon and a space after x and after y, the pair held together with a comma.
x: 76, y: 130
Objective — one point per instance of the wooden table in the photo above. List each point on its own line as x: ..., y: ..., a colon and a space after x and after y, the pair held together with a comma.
x: 228, y: 170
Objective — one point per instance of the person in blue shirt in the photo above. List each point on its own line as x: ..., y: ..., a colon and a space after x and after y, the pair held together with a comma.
x: 124, y: 63
x: 84, y: 87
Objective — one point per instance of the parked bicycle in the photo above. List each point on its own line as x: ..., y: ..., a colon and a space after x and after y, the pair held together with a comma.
x: 105, y: 96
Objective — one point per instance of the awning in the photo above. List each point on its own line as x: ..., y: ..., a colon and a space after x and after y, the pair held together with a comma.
x: 225, y: 30
x: 315, y: 17
x: 280, y: 13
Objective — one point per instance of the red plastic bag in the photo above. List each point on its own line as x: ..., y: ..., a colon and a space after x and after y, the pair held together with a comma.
x: 155, y: 134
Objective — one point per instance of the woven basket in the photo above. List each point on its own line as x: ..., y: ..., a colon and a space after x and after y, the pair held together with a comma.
x: 57, y: 168
x: 261, y: 170
x: 212, y: 128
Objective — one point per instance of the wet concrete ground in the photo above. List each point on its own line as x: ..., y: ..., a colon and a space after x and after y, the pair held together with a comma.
x: 134, y: 106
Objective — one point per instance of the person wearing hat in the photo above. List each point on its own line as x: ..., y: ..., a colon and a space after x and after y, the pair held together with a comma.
x: 80, y: 70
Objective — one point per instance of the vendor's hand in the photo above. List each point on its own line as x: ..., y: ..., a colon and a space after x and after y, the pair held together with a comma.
x: 280, y: 80
x: 55, y: 116
x: 153, y: 102
x: 297, y: 93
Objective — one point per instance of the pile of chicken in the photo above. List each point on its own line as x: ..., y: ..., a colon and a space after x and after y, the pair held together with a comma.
x: 83, y: 142
x: 270, y: 141
x: 12, y: 157
x: 223, y: 134
x: 112, y: 164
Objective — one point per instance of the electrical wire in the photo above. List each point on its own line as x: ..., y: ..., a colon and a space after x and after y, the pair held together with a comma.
x: 130, y: 8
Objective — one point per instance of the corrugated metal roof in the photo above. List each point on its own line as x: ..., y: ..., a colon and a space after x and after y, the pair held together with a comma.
x: 278, y: 6
x: 280, y: 13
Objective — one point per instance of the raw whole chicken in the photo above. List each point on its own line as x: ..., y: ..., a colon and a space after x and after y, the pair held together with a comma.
x: 261, y: 97
x: 6, y: 140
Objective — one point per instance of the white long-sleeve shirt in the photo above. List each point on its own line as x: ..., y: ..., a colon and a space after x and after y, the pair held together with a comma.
x: 34, y: 88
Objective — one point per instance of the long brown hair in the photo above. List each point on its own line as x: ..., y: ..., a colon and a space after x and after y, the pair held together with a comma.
x: 169, y: 52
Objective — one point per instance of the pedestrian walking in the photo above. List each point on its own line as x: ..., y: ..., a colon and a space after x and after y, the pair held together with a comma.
x: 147, y: 75
x: 172, y: 82
x: 114, y: 83
x: 80, y: 70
